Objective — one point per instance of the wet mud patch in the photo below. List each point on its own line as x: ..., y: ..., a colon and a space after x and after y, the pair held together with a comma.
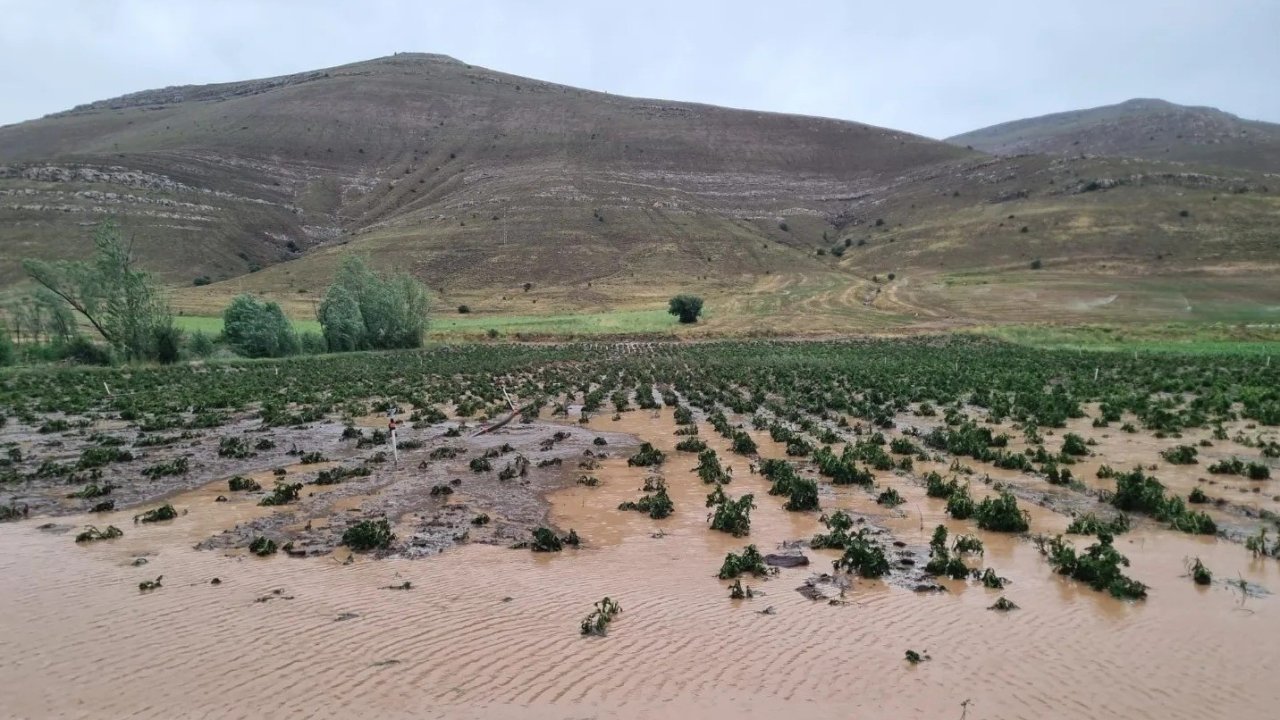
x: 434, y: 496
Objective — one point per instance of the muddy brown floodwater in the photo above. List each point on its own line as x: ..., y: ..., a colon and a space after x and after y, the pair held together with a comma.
x: 487, y: 631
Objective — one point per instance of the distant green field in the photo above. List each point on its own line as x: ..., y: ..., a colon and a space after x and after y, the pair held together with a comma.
x: 622, y: 322
x: 1188, y: 338
x: 213, y: 325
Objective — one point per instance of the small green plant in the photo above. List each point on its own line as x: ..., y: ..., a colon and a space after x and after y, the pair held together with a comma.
x: 647, y: 456
x: 1099, y: 566
x: 240, y: 483
x: 991, y: 580
x: 480, y: 464
x: 960, y: 504
x: 1091, y: 524
x: 1003, y: 604
x: 837, y: 536
x: 890, y: 498
x: 479, y: 520
x: 282, y: 494
x: 733, y: 516
x: 691, y: 444
x: 748, y: 561
x: 916, y: 658
x: 597, y: 621
x: 92, y: 534
x: 263, y: 546
x: 164, y: 512
x: 93, y: 490
x: 863, y: 556
x: 149, y: 585
x: 1073, y: 444
x: 968, y: 544
x: 1180, y: 455
x: 1001, y: 514
x: 176, y: 466
x: 369, y: 535
x: 709, y: 469
x: 1199, y: 573
x: 657, y: 504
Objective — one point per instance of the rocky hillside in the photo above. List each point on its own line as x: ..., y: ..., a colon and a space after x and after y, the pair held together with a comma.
x: 1150, y: 129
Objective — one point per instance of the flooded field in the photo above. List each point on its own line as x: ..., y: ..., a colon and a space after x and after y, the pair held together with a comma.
x: 450, y: 621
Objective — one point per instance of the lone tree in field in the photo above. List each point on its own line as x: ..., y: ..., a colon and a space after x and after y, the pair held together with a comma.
x: 258, y: 328
x: 364, y: 310
x: 123, y: 304
x: 686, y: 307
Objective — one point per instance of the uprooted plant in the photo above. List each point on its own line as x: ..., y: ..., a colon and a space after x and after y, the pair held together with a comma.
x: 597, y: 621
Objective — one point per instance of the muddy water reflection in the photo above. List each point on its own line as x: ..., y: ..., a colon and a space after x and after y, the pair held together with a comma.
x: 491, y: 632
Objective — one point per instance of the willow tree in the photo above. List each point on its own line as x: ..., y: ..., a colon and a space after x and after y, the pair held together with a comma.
x: 366, y: 310
x: 122, y: 303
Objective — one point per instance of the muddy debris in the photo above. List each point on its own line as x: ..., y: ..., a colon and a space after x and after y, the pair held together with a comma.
x: 786, y: 560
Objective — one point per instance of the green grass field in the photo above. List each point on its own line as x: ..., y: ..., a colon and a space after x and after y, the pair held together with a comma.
x: 212, y: 325
x: 1181, y: 338
x: 622, y: 322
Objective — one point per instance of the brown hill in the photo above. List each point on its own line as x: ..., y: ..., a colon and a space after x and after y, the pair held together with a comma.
x: 479, y: 182
x: 1150, y: 129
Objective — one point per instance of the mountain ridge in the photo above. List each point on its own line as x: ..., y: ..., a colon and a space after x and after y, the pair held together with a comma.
x: 480, y: 182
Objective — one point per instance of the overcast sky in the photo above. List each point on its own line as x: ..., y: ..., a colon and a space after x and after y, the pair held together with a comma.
x: 935, y: 68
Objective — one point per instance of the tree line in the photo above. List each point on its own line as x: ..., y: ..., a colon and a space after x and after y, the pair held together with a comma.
x: 125, y: 306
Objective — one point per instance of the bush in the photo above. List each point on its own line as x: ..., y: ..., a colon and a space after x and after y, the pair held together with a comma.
x: 201, y: 280
x: 890, y: 498
x: 1099, y: 566
x: 647, y: 456
x: 1136, y: 492
x: 750, y: 561
x: 200, y: 344
x: 464, y: 309
x: 84, y: 351
x: 312, y: 343
x: 164, y: 512
x: 257, y: 328
x: 1002, y: 514
x: 804, y: 496
x: 283, y: 494
x: 658, y: 504
x: 732, y: 516
x: 1036, y: 264
x: 686, y: 307
x: 1180, y: 455
x: 369, y: 535
x: 1073, y: 444
x: 960, y: 504
x: 863, y: 556
x: 262, y: 546
x: 240, y: 483
x: 1091, y: 524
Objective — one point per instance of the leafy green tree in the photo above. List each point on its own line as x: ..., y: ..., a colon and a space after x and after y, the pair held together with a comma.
x: 686, y: 307
x: 364, y: 310
x: 122, y: 303
x: 258, y: 328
